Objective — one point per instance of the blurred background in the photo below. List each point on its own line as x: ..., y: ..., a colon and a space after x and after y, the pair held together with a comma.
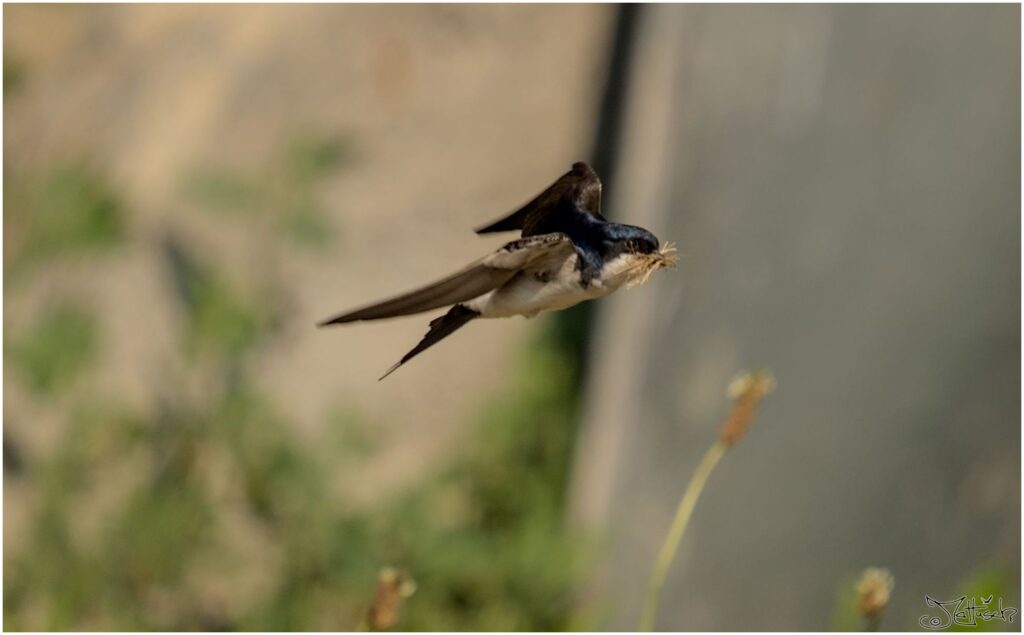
x: 188, y: 189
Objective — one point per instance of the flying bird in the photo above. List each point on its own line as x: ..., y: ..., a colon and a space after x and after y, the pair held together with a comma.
x: 567, y: 253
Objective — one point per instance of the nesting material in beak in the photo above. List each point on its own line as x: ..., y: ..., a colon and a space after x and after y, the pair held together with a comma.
x: 646, y: 264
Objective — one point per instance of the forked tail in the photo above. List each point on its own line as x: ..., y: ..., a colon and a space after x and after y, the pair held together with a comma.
x: 440, y: 328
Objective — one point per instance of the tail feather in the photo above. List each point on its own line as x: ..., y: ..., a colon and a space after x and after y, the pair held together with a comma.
x: 440, y: 328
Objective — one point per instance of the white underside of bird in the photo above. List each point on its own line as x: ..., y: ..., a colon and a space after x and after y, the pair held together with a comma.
x: 551, y: 284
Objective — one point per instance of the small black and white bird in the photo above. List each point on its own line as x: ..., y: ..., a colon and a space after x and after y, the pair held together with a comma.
x: 568, y: 253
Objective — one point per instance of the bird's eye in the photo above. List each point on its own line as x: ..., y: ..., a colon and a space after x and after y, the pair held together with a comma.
x: 631, y: 245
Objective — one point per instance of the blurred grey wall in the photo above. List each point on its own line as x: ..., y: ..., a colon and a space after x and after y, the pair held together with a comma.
x: 844, y: 186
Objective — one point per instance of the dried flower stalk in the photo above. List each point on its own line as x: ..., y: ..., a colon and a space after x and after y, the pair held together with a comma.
x: 746, y: 391
x: 874, y: 589
x: 393, y: 588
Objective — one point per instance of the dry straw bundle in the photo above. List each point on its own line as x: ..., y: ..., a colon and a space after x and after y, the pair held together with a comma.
x: 646, y: 264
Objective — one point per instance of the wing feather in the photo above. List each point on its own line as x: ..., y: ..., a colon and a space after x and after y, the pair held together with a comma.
x: 576, y: 192
x: 483, y: 276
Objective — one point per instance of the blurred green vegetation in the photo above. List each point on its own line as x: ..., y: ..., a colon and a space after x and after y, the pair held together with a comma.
x: 483, y: 537
x: 55, y: 348
x: 285, y: 189
x: 218, y: 318
x: 14, y: 74
x: 992, y: 582
x: 70, y: 210
x: 203, y: 509
x: 498, y: 556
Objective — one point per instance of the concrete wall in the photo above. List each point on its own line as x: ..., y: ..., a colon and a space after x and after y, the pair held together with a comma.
x: 844, y: 186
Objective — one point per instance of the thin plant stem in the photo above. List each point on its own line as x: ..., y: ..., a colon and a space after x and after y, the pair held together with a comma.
x: 675, y: 534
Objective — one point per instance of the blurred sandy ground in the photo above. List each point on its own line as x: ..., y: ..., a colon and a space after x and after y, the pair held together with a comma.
x: 454, y: 114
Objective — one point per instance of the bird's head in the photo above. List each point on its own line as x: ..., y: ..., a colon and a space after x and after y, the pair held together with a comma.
x: 641, y: 241
x: 638, y: 252
x: 629, y: 239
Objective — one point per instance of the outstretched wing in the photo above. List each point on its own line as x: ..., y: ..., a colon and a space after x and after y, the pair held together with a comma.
x: 487, y: 274
x: 575, y: 193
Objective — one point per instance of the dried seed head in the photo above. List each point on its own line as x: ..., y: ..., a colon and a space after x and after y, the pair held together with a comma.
x: 746, y: 391
x: 393, y: 587
x: 874, y: 590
